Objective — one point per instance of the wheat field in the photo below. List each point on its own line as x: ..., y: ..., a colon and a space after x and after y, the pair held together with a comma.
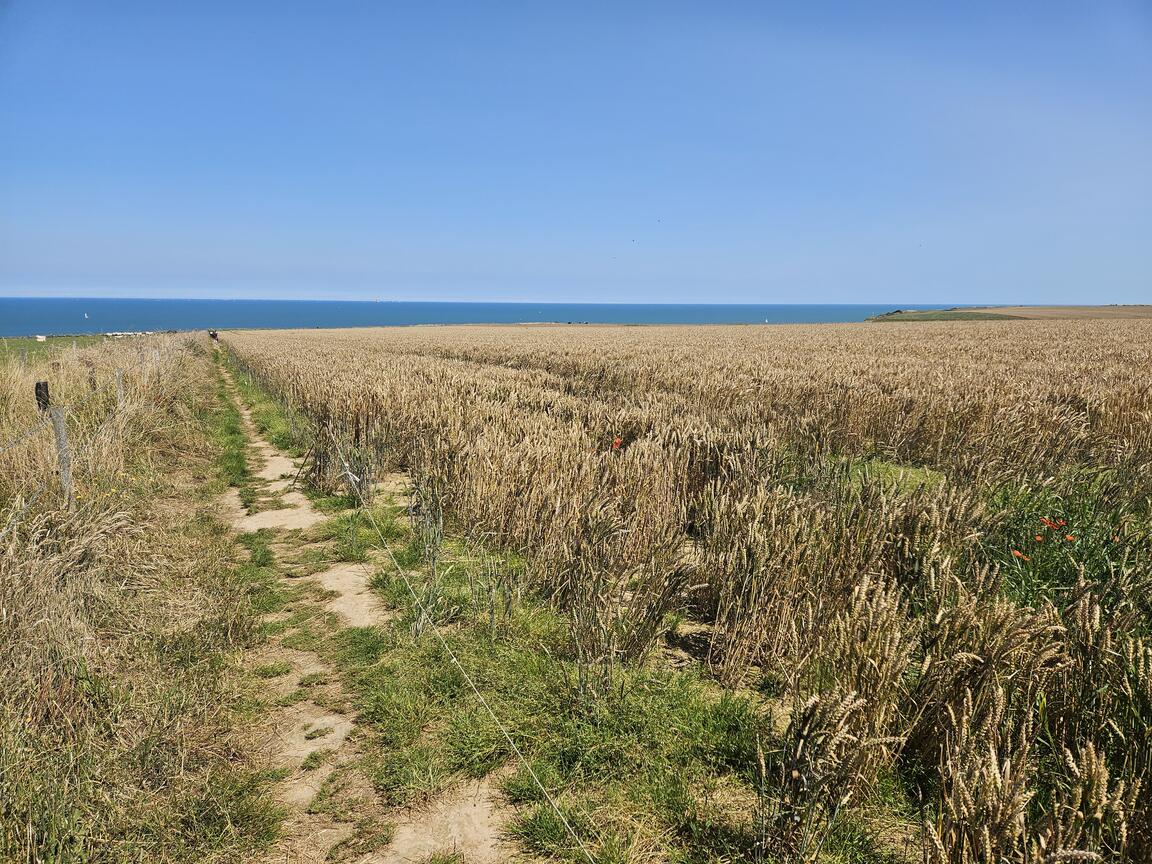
x: 926, y: 546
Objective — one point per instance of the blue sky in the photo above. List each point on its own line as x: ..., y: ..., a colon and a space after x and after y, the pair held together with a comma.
x: 677, y: 152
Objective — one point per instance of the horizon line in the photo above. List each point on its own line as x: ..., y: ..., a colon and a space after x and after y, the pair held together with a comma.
x: 504, y: 302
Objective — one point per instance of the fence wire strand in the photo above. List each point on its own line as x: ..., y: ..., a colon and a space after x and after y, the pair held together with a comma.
x: 25, y: 435
x: 18, y: 517
x: 44, y: 421
x: 31, y: 430
x: 354, y: 483
x: 77, y: 451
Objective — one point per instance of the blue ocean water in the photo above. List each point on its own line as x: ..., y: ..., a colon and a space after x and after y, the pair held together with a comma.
x: 26, y: 316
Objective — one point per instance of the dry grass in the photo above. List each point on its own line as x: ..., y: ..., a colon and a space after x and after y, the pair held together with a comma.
x: 933, y: 541
x: 115, y: 740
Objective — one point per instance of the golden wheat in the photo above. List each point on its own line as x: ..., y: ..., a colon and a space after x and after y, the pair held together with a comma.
x: 850, y: 509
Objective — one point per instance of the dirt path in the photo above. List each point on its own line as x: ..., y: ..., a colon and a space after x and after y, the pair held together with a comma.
x: 333, y: 813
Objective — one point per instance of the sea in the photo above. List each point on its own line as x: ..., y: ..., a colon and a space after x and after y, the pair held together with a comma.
x: 51, y: 316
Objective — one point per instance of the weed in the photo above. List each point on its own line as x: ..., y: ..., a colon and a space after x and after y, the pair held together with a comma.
x: 273, y: 670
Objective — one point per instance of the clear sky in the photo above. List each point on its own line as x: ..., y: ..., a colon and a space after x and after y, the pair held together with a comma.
x: 967, y: 152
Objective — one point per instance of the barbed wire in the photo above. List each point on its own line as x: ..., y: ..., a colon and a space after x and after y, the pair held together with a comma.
x: 354, y: 482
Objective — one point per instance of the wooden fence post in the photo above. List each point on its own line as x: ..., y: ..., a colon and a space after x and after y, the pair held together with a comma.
x: 60, y: 427
x: 43, y: 400
x: 119, y: 389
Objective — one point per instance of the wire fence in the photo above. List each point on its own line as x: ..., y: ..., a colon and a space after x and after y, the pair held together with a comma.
x: 426, y: 616
x: 354, y: 483
x: 44, y: 422
x: 27, y: 434
x: 19, y: 516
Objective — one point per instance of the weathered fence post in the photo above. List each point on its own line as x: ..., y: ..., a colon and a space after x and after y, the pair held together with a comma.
x: 91, y: 374
x: 119, y: 389
x: 60, y: 427
x: 24, y: 357
x: 43, y: 400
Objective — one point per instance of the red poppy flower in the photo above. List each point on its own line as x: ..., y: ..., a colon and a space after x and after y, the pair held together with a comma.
x: 1070, y: 538
x: 1016, y: 553
x: 617, y: 442
x: 1039, y: 538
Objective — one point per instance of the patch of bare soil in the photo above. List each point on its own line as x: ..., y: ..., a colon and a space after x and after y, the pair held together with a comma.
x: 297, y: 512
x: 355, y: 602
x: 467, y: 820
x: 396, y: 486
x: 278, y: 469
x: 687, y: 644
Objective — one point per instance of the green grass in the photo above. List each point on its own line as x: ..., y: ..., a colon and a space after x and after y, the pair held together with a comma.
x: 268, y: 629
x: 273, y: 670
x: 233, y: 812
x: 259, y: 574
x: 444, y: 858
x: 638, y: 769
x: 268, y: 415
x: 904, y: 477
x: 640, y: 754
x: 353, y: 535
x: 315, y: 759
x: 1051, y: 532
x: 226, y: 430
x: 12, y: 349
x: 331, y: 504
x: 850, y: 842
x: 369, y: 834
